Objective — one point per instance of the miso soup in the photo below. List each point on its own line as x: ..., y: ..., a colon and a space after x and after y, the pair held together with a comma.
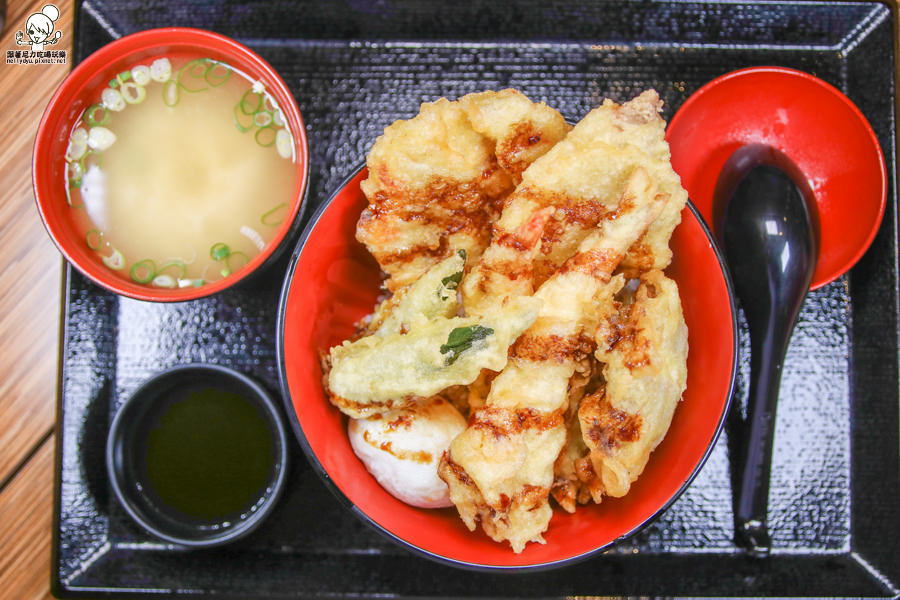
x: 181, y: 173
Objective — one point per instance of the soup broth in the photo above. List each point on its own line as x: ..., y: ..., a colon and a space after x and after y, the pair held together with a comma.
x: 182, y: 173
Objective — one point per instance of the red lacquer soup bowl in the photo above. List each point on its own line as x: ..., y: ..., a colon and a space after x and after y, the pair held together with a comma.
x: 333, y: 282
x: 82, y: 91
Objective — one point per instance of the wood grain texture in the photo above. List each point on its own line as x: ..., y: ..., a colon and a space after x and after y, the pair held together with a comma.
x: 29, y: 264
x: 26, y: 521
x: 29, y: 320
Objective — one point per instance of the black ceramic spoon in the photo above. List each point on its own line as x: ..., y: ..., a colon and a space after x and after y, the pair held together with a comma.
x: 766, y: 223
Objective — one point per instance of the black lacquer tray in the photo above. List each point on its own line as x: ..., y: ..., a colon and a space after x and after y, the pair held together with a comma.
x: 354, y: 67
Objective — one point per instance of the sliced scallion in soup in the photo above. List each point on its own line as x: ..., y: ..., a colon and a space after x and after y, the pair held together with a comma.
x: 181, y: 173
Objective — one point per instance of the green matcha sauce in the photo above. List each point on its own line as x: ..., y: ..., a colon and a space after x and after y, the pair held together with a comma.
x: 209, y: 455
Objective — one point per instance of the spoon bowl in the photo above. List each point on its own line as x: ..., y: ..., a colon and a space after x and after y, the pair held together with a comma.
x: 806, y: 118
x: 769, y: 233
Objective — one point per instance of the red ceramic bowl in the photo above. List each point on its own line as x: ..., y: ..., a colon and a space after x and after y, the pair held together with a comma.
x: 82, y: 88
x: 333, y: 282
x: 811, y: 122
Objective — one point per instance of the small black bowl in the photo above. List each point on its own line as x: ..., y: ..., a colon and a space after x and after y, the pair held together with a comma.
x: 153, y: 443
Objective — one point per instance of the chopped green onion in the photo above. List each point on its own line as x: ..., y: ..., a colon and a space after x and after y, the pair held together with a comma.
x: 237, y: 120
x: 143, y: 271
x: 174, y: 263
x: 91, y: 115
x: 141, y: 74
x: 114, y: 261
x: 100, y: 138
x: 170, y: 92
x: 164, y: 281
x: 232, y: 255
x: 161, y: 70
x: 185, y: 283
x: 124, y: 76
x: 214, y: 78
x: 133, y: 93
x: 194, y: 71
x: 79, y: 134
x: 94, y: 239
x: 225, y: 272
x: 74, y: 174
x: 219, y: 251
x: 112, y: 99
x: 284, y: 144
x: 246, y: 107
x: 262, y: 118
x: 77, y: 147
x: 267, y: 217
x: 90, y: 159
x: 265, y: 143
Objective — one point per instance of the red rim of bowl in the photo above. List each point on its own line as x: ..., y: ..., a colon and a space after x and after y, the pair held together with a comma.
x: 70, y: 100
x: 755, y: 105
x: 508, y: 561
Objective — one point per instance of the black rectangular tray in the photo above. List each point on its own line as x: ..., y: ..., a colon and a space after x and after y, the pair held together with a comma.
x: 354, y: 67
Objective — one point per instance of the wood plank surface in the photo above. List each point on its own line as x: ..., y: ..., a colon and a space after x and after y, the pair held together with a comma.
x: 29, y: 263
x: 30, y: 268
x: 26, y: 519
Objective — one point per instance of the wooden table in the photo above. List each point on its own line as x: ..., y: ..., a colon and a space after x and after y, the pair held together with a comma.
x: 30, y: 274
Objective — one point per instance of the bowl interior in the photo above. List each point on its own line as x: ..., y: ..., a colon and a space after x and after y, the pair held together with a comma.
x: 82, y: 88
x: 334, y: 282
x: 128, y: 442
x: 815, y: 125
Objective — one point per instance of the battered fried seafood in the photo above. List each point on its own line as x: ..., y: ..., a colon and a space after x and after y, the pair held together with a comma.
x: 500, y: 469
x: 437, y: 181
x: 508, y: 242
x: 604, y: 149
x: 642, y: 353
x: 643, y: 350
x: 382, y: 372
x: 418, y: 348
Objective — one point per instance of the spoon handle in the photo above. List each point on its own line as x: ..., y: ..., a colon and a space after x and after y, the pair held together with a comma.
x: 767, y: 358
x: 771, y: 246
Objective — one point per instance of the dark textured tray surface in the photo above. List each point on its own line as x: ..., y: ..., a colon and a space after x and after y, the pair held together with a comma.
x: 356, y: 67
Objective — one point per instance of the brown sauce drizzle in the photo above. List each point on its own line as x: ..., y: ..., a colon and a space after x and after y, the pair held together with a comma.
x: 606, y: 426
x: 505, y: 422
x: 419, y: 456
x: 541, y: 348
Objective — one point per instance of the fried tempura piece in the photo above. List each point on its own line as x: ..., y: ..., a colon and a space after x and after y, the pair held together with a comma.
x: 506, y: 267
x: 644, y: 355
x: 432, y: 295
x: 521, y: 130
x: 381, y: 372
x: 567, y: 488
x: 435, y: 183
x: 603, y: 150
x: 500, y: 469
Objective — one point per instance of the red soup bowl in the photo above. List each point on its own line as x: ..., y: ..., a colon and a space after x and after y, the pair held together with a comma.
x: 815, y: 125
x: 82, y: 91
x: 332, y: 282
